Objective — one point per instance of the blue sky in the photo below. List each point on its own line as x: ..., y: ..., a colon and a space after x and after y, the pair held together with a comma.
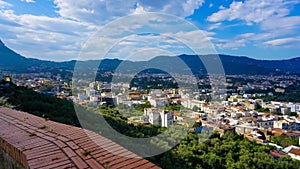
x: 59, y: 29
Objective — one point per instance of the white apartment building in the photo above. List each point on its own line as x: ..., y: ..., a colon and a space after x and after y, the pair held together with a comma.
x: 161, y: 117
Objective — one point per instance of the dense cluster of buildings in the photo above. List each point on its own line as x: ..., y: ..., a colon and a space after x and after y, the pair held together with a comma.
x: 44, y: 83
x: 240, y: 111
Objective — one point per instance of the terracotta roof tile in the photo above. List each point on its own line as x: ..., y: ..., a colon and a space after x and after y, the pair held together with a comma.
x: 38, y: 143
x: 46, y: 160
x: 58, y: 164
x: 99, y: 156
x: 138, y: 164
x: 60, y: 143
x: 32, y: 150
x: 72, y: 145
x: 148, y: 165
x: 94, y: 164
x: 69, y: 152
x: 84, y: 155
x: 276, y: 154
x: 155, y: 167
x: 295, y: 151
x: 79, y: 162
x: 39, y: 155
x: 125, y: 163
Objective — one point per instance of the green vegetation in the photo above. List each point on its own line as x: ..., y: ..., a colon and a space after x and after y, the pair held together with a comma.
x: 230, y: 151
x: 266, y: 110
x: 127, y: 111
x: 291, y: 94
x: 31, y: 134
x: 206, y: 150
x: 174, y: 107
x: 43, y: 127
x: 263, y: 110
x: 40, y: 105
x: 294, y: 114
x: 85, y: 153
x: 140, y: 107
x: 195, y: 108
x: 154, y: 82
x: 284, y: 140
x: 4, y: 102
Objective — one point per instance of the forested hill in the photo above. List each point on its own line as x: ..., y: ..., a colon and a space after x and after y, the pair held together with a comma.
x: 12, y: 61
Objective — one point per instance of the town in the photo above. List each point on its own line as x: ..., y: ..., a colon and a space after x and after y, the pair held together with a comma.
x: 247, y: 107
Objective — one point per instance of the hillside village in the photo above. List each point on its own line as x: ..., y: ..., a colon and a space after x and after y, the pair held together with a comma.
x: 240, y: 112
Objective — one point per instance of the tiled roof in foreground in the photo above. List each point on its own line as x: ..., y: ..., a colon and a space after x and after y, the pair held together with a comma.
x: 36, y: 143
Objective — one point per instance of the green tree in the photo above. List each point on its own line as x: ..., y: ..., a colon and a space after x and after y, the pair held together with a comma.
x: 284, y: 140
x: 5, y: 103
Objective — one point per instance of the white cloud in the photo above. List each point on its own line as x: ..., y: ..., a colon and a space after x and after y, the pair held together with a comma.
x: 284, y: 42
x: 4, y: 4
x: 180, y: 8
x: 247, y: 35
x: 42, y: 36
x: 286, y: 25
x: 253, y: 11
x: 272, y: 17
x: 147, y: 31
x: 101, y: 12
x: 214, y: 26
x: 190, y: 6
x: 269, y: 39
x: 97, y: 12
x: 28, y: 1
x: 221, y: 7
x: 197, y: 39
x: 230, y: 44
x: 134, y: 47
x: 49, y: 37
x: 257, y: 36
x: 139, y: 9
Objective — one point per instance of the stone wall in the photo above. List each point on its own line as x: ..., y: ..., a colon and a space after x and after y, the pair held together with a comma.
x: 7, y: 162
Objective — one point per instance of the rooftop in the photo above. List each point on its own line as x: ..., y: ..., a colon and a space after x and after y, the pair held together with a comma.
x: 38, y: 143
x: 276, y: 154
x: 295, y: 151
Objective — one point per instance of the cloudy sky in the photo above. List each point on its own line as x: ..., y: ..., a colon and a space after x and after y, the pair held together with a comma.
x: 59, y: 29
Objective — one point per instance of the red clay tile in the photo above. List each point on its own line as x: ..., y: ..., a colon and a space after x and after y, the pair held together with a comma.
x: 155, y: 167
x: 94, y: 164
x: 59, y: 145
x: 69, y: 152
x: 44, y: 161
x: 138, y: 164
x: 79, y: 162
x: 117, y: 161
x: 125, y: 163
x: 148, y: 165
x: 84, y: 154
x: 64, y: 139
x: 72, y: 145
x: 42, y: 154
x: 58, y: 164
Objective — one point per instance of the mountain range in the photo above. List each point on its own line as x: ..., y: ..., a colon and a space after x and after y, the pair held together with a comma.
x: 233, y: 65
